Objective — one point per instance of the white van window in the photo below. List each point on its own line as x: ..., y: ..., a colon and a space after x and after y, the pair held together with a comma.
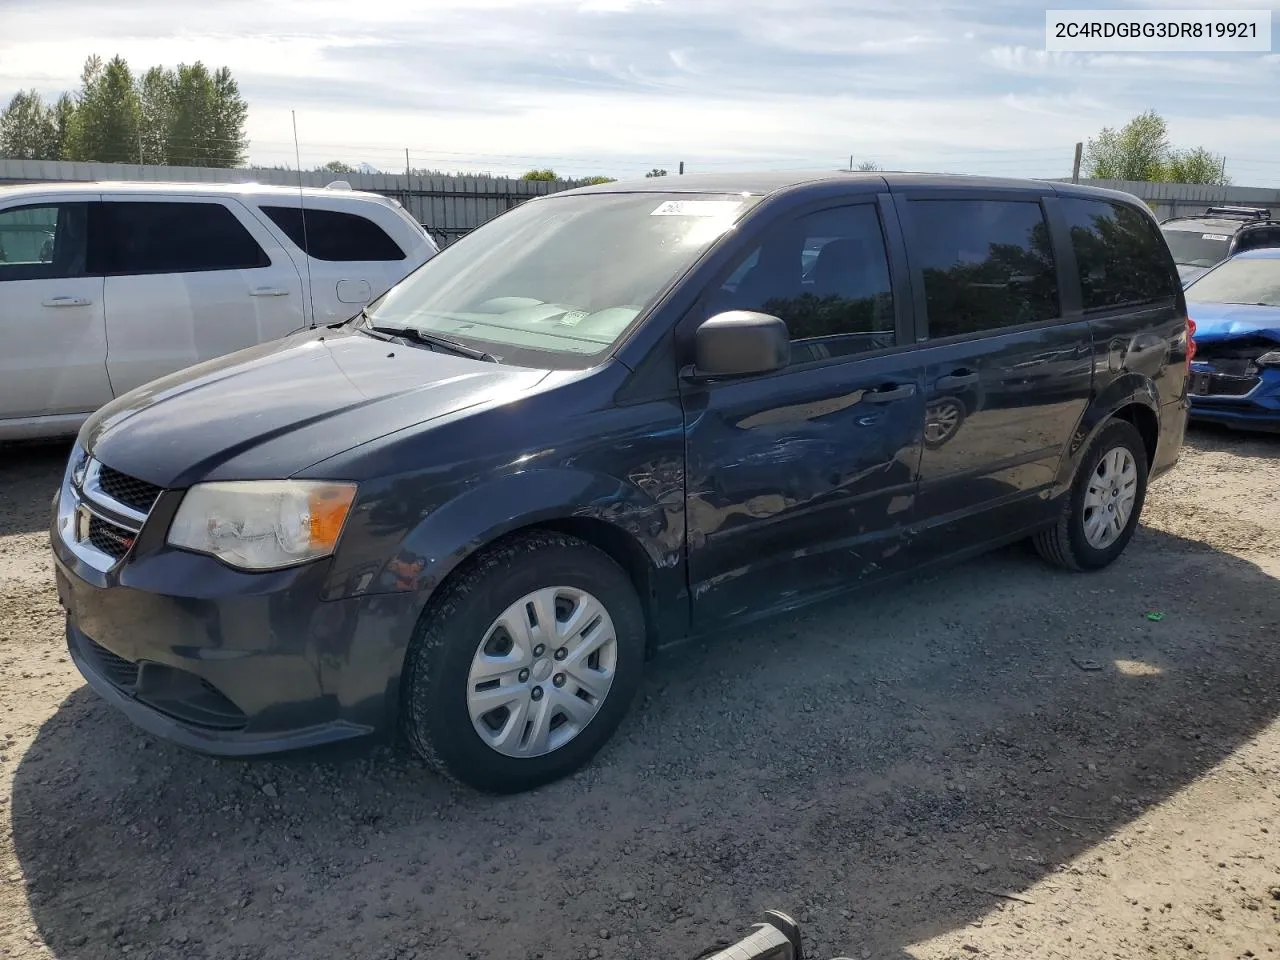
x: 43, y: 241
x: 334, y: 235
x: 158, y: 237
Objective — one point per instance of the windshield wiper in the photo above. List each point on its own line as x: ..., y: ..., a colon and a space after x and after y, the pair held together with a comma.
x: 432, y: 340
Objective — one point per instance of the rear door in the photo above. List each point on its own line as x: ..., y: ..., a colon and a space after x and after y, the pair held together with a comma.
x: 353, y: 259
x: 1008, y: 363
x: 53, y: 342
x: 802, y: 481
x: 189, y: 279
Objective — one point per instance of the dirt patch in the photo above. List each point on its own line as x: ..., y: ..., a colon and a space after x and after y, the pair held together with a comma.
x: 926, y: 772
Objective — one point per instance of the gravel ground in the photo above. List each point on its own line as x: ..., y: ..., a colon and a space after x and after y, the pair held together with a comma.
x: 923, y: 773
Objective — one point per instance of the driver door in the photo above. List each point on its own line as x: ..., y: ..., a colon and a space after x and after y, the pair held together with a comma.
x: 802, y: 482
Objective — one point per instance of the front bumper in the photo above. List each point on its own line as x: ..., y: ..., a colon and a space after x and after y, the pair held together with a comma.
x: 232, y: 663
x: 1257, y: 409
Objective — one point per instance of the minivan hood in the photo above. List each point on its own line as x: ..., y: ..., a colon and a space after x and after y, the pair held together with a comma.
x: 274, y: 409
x: 1226, y: 321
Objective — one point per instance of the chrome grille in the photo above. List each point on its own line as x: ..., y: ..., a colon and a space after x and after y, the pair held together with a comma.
x: 101, y: 511
x: 111, y: 539
x: 131, y: 491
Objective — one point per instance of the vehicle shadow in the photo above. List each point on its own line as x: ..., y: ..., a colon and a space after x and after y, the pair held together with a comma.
x: 23, y: 467
x: 871, y: 766
x: 1215, y: 438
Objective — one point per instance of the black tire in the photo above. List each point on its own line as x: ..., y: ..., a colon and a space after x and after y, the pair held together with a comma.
x: 434, y: 714
x: 1064, y: 544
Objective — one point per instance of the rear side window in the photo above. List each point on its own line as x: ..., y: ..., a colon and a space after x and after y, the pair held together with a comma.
x: 334, y: 235
x: 826, y: 274
x: 43, y: 242
x: 158, y: 237
x: 1119, y: 253
x: 986, y: 264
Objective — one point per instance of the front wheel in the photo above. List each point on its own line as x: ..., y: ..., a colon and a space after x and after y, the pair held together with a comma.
x: 1101, y: 512
x: 526, y: 664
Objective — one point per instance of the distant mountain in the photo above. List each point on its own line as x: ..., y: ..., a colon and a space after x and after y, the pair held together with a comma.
x: 367, y: 168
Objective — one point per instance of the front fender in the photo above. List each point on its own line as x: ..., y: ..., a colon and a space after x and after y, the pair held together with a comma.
x: 483, y: 513
x: 491, y: 510
x: 1125, y: 390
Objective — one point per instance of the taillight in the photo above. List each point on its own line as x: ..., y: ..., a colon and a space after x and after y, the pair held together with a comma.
x: 1191, y: 339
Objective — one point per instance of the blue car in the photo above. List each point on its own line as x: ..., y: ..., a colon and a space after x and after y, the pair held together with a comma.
x: 1235, y: 374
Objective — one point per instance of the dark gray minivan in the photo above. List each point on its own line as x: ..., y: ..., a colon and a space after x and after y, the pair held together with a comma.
x: 609, y: 419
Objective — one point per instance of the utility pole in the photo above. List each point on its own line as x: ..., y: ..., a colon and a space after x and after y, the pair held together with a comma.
x: 851, y: 163
x: 407, y: 174
x: 140, y: 149
x: 682, y: 168
x: 1075, y: 164
x: 1222, y: 171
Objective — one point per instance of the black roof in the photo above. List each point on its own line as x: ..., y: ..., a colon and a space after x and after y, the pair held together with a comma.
x: 763, y: 184
x: 1202, y: 222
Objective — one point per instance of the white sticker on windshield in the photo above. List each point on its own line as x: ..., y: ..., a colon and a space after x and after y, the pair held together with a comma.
x: 1213, y: 236
x: 573, y: 317
x: 697, y: 208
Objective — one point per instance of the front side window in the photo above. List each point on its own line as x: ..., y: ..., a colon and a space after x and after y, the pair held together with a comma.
x: 562, y: 276
x: 140, y: 237
x: 43, y: 242
x: 1248, y: 280
x: 334, y: 235
x: 986, y: 264
x: 1118, y: 255
x: 826, y: 274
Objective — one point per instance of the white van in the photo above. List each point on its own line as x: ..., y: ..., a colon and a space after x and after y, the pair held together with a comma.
x: 106, y: 286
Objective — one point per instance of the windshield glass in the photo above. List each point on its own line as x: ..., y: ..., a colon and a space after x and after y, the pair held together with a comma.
x: 1240, y: 281
x: 563, y: 276
x: 1199, y: 248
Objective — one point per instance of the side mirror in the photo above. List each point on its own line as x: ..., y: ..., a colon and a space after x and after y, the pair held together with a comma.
x: 740, y: 342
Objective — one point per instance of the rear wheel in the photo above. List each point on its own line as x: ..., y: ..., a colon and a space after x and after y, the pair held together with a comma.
x: 526, y: 664
x: 1101, y: 512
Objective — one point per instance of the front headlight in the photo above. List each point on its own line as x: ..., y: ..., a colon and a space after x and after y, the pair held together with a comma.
x: 77, y: 463
x: 263, y: 524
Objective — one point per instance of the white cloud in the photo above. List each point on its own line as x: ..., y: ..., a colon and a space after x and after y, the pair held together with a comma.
x: 618, y: 86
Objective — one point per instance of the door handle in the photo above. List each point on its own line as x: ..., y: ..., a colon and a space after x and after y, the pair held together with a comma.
x: 66, y: 302
x: 889, y: 392
x: 957, y: 378
x: 268, y: 292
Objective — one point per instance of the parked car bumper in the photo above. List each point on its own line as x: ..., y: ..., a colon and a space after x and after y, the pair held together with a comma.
x: 230, y: 663
x: 1258, y: 409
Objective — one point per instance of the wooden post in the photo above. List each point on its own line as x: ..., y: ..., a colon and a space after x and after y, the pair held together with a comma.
x: 1075, y: 164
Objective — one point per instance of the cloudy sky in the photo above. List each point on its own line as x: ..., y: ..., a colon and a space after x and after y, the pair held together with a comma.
x: 620, y: 86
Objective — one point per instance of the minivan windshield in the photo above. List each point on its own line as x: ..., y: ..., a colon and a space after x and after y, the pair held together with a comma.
x: 1240, y: 281
x: 1198, y: 248
x: 563, y: 276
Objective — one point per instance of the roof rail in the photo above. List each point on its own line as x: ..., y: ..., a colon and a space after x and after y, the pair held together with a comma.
x: 1248, y: 213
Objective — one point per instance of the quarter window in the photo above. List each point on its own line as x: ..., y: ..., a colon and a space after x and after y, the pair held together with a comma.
x: 334, y: 235
x: 1120, y: 255
x: 986, y: 264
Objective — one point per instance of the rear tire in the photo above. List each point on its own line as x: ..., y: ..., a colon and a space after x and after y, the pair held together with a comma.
x: 1100, y: 513
x: 503, y: 689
